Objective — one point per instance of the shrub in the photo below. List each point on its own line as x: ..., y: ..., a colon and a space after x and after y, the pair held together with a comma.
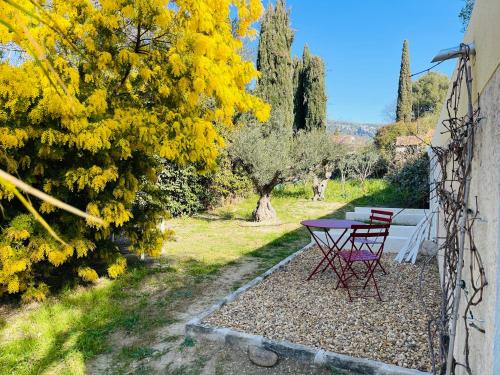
x: 181, y: 189
x: 184, y: 191
x: 410, y: 174
x: 227, y: 182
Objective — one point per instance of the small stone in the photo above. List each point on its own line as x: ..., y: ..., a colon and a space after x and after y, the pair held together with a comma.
x: 262, y: 357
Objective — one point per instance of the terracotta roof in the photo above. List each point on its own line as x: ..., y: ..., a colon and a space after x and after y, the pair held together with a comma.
x: 342, y: 138
x: 408, y: 140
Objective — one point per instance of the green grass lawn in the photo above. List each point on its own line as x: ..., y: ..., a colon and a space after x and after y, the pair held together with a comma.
x: 59, y: 335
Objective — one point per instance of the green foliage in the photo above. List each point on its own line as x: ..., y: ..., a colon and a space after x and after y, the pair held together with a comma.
x: 385, y: 138
x: 178, y: 190
x: 410, y: 174
x: 429, y: 93
x: 403, y: 106
x: 278, y: 156
x: 466, y: 12
x: 314, y: 94
x: 309, y: 92
x: 274, y: 63
x: 188, y: 342
x: 225, y: 183
x: 264, y: 156
x: 320, y: 149
x: 184, y: 191
x: 376, y: 192
x: 363, y: 162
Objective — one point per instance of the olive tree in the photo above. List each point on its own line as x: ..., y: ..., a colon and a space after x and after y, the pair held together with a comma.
x: 363, y: 163
x: 272, y: 155
x: 324, y: 153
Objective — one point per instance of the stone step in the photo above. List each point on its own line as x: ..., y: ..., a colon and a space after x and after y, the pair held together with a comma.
x: 395, y: 210
x: 401, y: 219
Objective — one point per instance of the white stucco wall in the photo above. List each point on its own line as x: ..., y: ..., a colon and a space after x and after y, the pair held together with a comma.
x: 484, y: 31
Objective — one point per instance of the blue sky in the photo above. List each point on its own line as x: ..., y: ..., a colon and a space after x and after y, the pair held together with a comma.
x: 360, y: 42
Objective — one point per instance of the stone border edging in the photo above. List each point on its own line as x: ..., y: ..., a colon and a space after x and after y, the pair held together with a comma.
x: 303, y: 353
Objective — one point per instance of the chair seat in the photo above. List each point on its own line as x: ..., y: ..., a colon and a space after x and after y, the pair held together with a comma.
x: 361, y: 255
x: 367, y: 241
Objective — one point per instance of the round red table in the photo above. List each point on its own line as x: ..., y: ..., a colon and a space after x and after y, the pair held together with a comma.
x: 329, y: 245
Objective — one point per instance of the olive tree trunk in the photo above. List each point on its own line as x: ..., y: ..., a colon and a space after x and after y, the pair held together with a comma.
x: 320, y: 185
x: 264, y: 210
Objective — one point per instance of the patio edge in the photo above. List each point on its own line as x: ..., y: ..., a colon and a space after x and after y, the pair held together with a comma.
x: 302, y: 353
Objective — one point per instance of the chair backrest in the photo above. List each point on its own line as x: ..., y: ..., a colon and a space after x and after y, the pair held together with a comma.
x: 378, y: 233
x: 381, y: 216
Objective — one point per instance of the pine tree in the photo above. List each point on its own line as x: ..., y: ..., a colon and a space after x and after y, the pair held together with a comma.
x: 403, y: 108
x: 274, y: 63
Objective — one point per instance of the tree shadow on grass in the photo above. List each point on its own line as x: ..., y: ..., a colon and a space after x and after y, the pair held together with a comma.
x: 216, y: 216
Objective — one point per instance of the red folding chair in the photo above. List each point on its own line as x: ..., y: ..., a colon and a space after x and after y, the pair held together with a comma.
x: 370, y: 258
x: 381, y: 216
x: 376, y: 216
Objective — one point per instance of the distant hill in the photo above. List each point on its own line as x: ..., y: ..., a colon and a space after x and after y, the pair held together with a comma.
x: 353, y: 128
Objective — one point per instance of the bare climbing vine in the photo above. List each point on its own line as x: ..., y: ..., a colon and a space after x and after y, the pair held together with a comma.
x: 451, y: 167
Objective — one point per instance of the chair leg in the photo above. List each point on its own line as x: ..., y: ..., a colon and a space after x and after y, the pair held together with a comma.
x: 349, y: 294
x: 373, y: 265
x: 344, y: 275
x: 340, y: 279
x: 368, y: 267
x: 348, y: 265
x: 376, y: 287
x: 353, y: 272
x: 369, y: 272
x: 382, y: 267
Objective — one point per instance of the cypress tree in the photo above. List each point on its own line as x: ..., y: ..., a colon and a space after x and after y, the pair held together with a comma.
x: 404, y: 105
x: 310, y: 97
x: 298, y: 94
x: 314, y: 95
x: 274, y: 62
x: 306, y: 57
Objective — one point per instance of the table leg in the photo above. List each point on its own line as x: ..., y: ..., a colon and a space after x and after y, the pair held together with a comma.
x: 334, y: 246
x: 326, y: 254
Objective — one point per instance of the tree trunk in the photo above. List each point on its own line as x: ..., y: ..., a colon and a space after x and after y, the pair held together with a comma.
x: 342, y: 182
x: 319, y: 186
x: 264, y: 211
x: 316, y: 188
x: 322, y: 189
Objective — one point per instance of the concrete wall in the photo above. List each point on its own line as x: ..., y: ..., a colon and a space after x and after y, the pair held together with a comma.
x: 484, y: 31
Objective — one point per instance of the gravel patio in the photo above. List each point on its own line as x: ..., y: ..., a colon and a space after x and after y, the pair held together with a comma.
x: 287, y: 307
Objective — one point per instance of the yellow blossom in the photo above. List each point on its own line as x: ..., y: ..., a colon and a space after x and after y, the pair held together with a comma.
x: 114, y: 83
